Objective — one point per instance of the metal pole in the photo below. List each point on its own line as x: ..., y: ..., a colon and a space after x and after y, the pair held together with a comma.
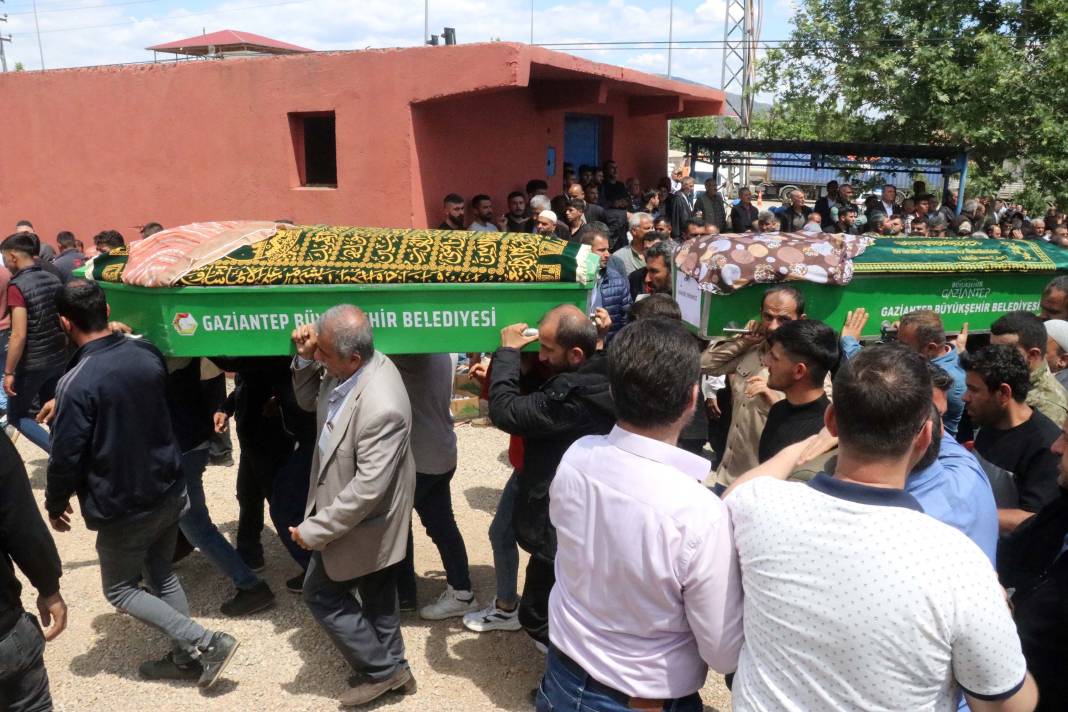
x: 671, y: 29
x: 37, y: 25
x: 426, y: 21
x: 531, y: 21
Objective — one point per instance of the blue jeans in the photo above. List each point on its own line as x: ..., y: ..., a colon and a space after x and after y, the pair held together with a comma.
x: 30, y: 385
x: 505, y: 548
x: 201, y: 532
x: 5, y: 334
x: 132, y: 551
x: 565, y: 687
x: 433, y: 504
x: 23, y: 679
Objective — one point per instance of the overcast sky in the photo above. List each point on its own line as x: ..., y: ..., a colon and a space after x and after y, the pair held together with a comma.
x: 89, y: 32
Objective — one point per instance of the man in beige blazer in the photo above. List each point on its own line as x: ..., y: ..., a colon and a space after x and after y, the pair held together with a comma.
x: 360, y: 497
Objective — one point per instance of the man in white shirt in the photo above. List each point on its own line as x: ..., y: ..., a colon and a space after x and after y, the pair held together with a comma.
x: 855, y: 599
x: 647, y: 592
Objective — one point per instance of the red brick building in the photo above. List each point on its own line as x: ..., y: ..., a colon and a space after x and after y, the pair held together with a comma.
x: 372, y: 137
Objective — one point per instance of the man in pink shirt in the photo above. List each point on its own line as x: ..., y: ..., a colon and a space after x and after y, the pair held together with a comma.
x: 641, y: 631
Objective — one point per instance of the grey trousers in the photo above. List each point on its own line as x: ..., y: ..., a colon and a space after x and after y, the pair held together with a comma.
x: 366, y: 632
x: 132, y: 550
x: 23, y: 679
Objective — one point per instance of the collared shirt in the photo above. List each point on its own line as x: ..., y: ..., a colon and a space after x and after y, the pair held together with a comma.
x: 626, y: 260
x: 854, y: 599
x: 888, y: 208
x: 336, y: 400
x: 477, y: 226
x: 668, y: 605
x: 950, y: 363
x: 955, y: 491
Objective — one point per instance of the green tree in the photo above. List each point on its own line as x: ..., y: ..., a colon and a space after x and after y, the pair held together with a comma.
x: 991, y: 75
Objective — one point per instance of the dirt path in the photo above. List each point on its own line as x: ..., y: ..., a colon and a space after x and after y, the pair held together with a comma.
x: 285, y: 662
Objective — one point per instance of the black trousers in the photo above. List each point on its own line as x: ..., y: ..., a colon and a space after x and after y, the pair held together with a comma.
x: 534, y: 603
x: 433, y: 504
x: 23, y: 680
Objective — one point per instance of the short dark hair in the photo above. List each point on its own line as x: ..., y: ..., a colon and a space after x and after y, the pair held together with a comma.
x: 453, y: 199
x: 663, y: 249
x: 789, y: 290
x: 578, y: 204
x: 940, y: 377
x: 698, y: 222
x: 109, y: 239
x: 151, y: 228
x: 475, y: 201
x: 20, y: 242
x: 576, y: 331
x: 653, y: 365
x: 655, y: 305
x: 84, y: 304
x: 928, y: 325
x: 1058, y: 283
x: 517, y: 194
x: 846, y: 209
x: 596, y: 229
x: 1028, y: 328
x: 882, y: 398
x: 997, y: 364
x: 812, y: 343
x: 66, y: 239
x: 533, y: 186
x: 24, y: 223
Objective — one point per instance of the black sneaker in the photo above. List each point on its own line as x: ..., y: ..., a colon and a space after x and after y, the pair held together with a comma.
x: 296, y: 584
x: 216, y: 657
x: 249, y: 600
x: 167, y: 669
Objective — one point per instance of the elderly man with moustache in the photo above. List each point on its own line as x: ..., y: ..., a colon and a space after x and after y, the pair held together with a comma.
x: 360, y: 497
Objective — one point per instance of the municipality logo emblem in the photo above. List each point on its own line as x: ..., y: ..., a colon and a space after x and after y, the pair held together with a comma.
x: 185, y: 324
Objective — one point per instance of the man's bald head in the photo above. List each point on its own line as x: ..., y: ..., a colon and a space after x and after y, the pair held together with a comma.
x: 567, y: 338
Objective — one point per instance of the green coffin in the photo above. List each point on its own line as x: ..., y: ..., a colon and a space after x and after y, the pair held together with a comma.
x: 406, y: 318
x: 965, y: 281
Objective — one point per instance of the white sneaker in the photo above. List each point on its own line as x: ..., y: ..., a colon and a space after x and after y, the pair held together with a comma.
x: 492, y: 618
x: 450, y: 603
x: 12, y: 433
x: 541, y: 647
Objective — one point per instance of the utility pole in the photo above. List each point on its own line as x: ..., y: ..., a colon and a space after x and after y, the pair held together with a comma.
x: 37, y: 24
x: 3, y: 38
x: 671, y: 32
x: 741, y: 33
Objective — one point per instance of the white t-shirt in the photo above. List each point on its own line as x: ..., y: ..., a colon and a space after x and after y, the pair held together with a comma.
x: 856, y: 600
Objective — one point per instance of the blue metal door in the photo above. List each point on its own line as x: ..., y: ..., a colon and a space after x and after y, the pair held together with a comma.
x: 582, y: 140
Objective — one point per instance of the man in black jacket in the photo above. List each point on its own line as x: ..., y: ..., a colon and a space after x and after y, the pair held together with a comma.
x: 25, y: 542
x: 573, y: 403
x: 114, y: 446
x: 1033, y: 567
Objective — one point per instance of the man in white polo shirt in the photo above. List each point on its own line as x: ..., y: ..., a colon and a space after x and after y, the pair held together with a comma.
x: 647, y: 592
x: 855, y: 599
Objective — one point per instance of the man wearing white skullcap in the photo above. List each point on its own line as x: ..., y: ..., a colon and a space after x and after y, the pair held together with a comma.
x: 1057, y: 349
x: 546, y: 223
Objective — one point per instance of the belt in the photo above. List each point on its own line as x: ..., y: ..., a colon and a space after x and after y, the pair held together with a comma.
x: 634, y: 703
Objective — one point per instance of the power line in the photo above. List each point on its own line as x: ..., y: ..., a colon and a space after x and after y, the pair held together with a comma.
x: 660, y: 44
x: 79, y: 8
x: 171, y: 19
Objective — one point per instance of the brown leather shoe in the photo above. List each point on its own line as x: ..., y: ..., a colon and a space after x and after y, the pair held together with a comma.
x: 401, y: 681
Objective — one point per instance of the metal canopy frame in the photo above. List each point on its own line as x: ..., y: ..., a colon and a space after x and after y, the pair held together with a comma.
x: 842, y: 156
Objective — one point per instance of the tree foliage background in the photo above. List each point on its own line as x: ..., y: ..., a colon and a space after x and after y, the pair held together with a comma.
x: 989, y: 74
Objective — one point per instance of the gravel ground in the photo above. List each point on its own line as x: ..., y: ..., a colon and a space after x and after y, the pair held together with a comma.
x: 285, y: 662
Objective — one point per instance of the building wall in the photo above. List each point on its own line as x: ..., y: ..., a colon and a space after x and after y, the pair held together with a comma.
x: 494, y: 143
x: 115, y: 147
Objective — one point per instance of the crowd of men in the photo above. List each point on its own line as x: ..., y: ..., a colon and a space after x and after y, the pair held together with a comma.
x: 829, y: 525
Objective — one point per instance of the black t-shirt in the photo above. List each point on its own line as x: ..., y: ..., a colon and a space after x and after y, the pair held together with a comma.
x: 521, y: 225
x: 1024, y: 452
x: 788, y: 424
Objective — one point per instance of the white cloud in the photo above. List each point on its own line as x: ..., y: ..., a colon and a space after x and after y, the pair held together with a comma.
x: 344, y: 24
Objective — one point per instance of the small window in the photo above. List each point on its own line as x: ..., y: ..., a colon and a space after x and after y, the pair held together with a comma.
x: 315, y: 148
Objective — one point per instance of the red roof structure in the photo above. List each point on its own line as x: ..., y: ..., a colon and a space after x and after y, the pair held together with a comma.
x: 228, y: 42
